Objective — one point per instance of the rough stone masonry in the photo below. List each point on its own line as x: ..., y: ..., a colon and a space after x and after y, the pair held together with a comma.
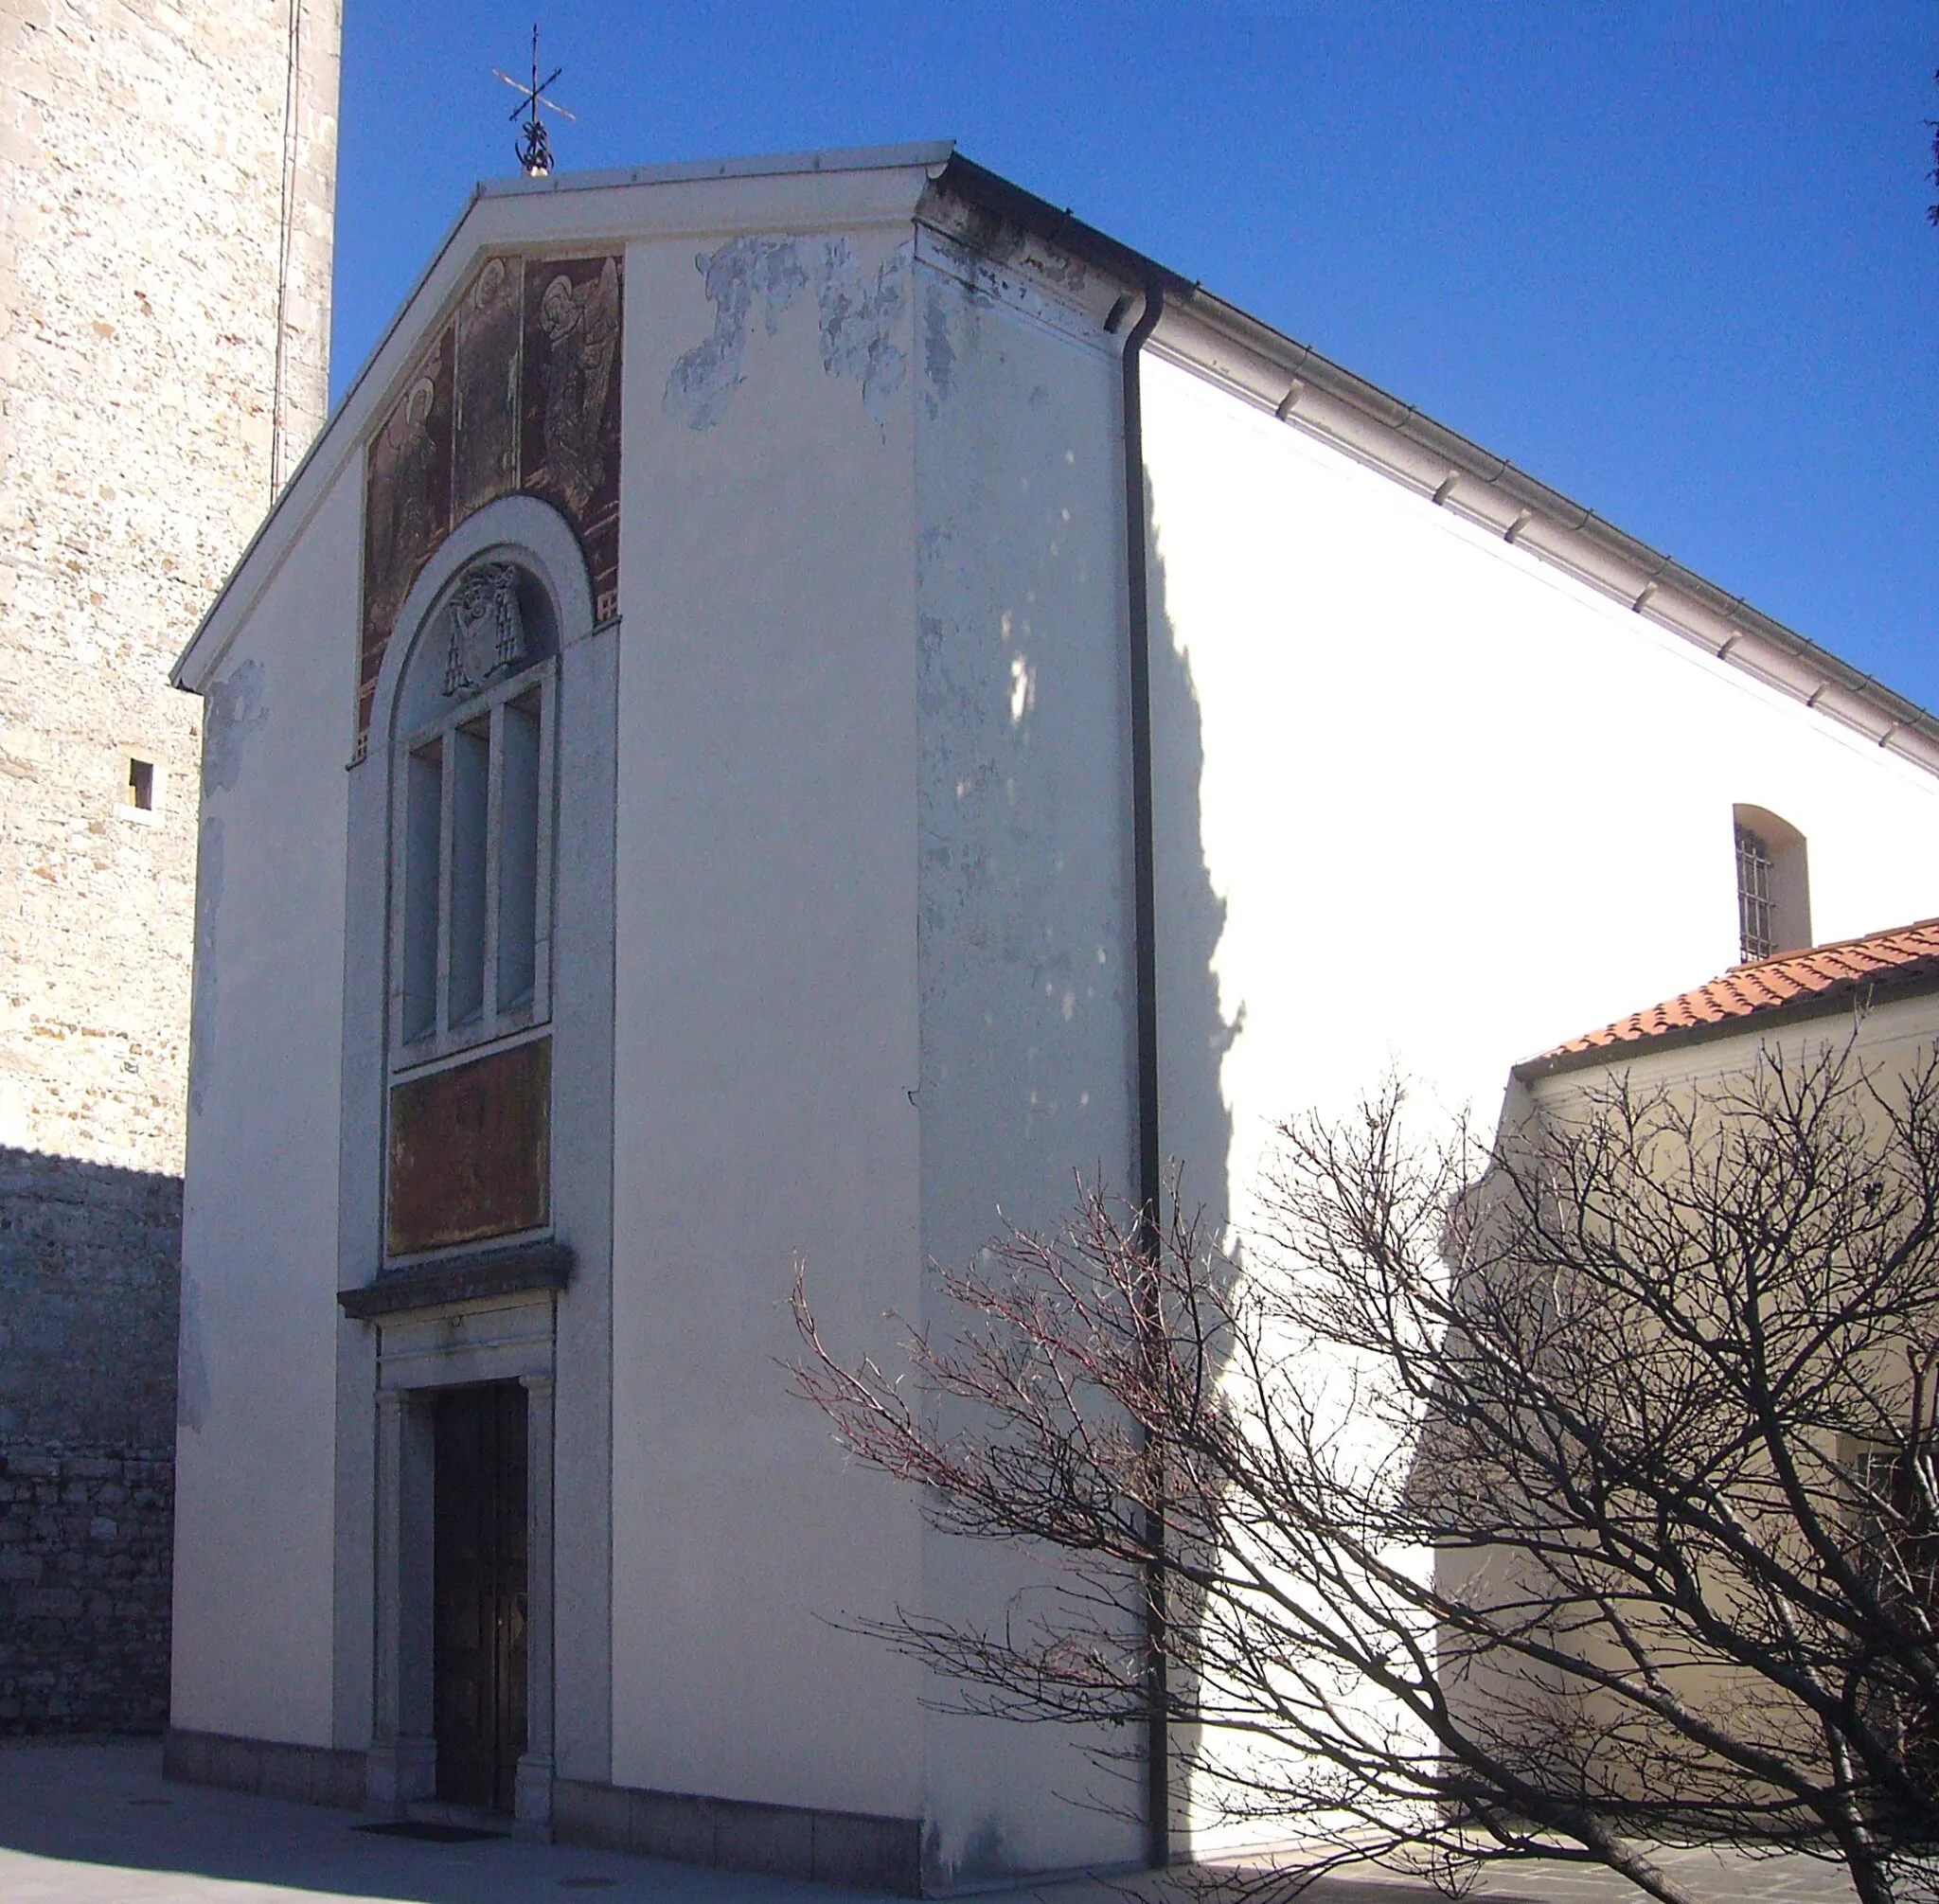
x: 167, y: 194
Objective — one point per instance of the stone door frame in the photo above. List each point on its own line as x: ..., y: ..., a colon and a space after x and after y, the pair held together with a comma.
x: 419, y: 1352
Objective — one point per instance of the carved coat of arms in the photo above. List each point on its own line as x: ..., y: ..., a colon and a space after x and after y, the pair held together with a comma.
x: 486, y: 632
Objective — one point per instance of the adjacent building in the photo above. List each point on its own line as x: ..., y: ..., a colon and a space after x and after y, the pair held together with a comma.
x: 166, y: 180
x: 795, y: 704
x: 1735, y: 1217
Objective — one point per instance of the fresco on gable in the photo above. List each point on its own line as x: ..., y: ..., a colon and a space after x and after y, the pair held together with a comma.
x: 520, y: 394
x: 570, y: 426
x: 490, y: 323
x: 406, y: 506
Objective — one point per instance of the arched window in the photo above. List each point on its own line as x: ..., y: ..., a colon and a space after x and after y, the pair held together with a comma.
x: 472, y: 807
x: 1773, y: 887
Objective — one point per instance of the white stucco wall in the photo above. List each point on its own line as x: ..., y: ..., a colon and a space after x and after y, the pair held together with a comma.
x: 1026, y: 969
x: 1427, y: 804
x: 256, y: 1418
x: 765, y: 1005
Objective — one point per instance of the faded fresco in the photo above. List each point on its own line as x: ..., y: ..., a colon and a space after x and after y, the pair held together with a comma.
x: 520, y: 393
x: 490, y: 322
x: 569, y: 435
x: 471, y: 1150
x: 406, y: 506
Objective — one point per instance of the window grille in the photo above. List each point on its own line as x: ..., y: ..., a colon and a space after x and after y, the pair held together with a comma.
x: 1756, y: 898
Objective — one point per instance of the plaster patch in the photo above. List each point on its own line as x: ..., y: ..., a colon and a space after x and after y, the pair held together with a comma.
x: 743, y: 270
x: 983, y: 1855
x: 234, y: 710
x: 859, y: 320
x: 939, y: 352
x: 202, y: 1010
x: 859, y: 317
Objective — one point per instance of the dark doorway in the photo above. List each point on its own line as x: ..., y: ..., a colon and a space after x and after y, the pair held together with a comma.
x: 479, y: 1586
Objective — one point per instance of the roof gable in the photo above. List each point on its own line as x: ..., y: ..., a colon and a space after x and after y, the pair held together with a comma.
x: 573, y: 212
x: 1291, y: 381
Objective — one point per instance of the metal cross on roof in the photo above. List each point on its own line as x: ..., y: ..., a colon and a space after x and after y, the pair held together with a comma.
x: 534, y: 150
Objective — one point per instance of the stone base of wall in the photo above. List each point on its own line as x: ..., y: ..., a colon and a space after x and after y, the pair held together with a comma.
x: 88, y: 1286
x: 312, y: 1774
x: 85, y: 1536
x: 779, y: 1840
x: 782, y: 1841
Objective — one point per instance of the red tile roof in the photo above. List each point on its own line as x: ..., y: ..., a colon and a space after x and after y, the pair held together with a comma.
x: 1823, y: 978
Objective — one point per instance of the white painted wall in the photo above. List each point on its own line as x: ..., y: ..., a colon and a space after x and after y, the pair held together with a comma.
x: 1426, y: 803
x: 1026, y: 970
x: 256, y: 1427
x: 765, y: 1000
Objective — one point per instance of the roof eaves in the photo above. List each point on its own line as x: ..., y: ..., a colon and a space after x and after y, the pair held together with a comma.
x: 1524, y: 509
x: 1860, y: 994
x: 319, y: 442
x: 932, y: 154
x: 1450, y: 468
x: 976, y: 184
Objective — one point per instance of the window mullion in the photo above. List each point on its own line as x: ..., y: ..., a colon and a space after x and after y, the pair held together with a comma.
x: 396, y: 925
x: 446, y: 817
x: 495, y: 837
x: 541, y: 910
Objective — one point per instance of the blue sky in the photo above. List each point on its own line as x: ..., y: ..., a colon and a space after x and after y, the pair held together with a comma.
x: 1672, y: 260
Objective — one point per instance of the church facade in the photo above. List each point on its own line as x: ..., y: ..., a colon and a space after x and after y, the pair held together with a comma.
x: 796, y: 704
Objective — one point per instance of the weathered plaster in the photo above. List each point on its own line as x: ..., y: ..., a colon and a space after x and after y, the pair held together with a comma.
x: 256, y: 1475
x: 764, y: 1037
x: 191, y: 1363
x: 204, y: 1018
x: 232, y: 711
x: 1022, y: 921
x: 860, y: 318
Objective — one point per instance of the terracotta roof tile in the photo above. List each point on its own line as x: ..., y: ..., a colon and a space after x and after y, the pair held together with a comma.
x: 1903, y: 955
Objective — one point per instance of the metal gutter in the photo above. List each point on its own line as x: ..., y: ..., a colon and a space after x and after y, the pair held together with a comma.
x: 1307, y: 390
x: 1149, y: 1234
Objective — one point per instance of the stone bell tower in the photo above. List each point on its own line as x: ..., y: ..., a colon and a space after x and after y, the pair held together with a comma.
x: 168, y: 177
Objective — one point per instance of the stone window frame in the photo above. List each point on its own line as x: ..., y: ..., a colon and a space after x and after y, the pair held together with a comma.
x: 497, y: 1019
x: 124, y: 809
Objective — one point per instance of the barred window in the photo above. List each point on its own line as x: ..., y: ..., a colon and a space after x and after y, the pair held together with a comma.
x: 1773, y: 887
x: 1755, y: 936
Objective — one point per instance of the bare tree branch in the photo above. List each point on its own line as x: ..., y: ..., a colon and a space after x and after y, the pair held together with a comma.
x: 1561, y: 1497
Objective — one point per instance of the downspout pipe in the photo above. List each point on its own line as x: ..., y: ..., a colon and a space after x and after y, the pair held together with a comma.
x: 1145, y: 939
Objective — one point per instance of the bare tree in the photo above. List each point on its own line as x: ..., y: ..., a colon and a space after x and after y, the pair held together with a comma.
x: 1566, y: 1497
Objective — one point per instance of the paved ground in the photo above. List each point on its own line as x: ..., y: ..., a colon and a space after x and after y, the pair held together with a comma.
x: 96, y: 1824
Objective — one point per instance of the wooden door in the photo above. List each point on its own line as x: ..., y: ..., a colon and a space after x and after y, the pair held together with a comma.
x: 479, y: 1593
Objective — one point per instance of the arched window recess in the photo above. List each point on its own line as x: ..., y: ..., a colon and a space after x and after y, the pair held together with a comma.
x: 472, y: 814
x: 1773, y: 885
